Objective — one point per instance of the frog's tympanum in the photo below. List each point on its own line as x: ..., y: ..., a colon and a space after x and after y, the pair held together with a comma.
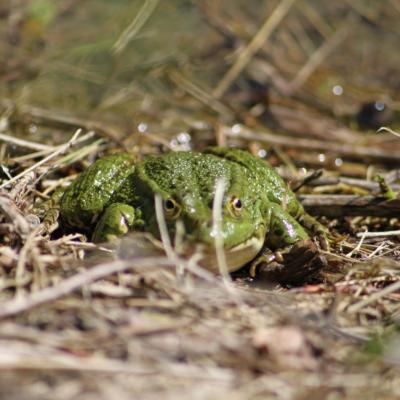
x: 262, y: 221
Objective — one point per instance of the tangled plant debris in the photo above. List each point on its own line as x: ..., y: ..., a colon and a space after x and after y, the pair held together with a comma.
x: 92, y: 321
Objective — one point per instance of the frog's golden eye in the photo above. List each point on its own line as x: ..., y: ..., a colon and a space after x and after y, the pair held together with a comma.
x: 171, y: 208
x: 235, y: 206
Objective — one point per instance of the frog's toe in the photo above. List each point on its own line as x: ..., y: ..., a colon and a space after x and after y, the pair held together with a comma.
x: 268, y: 257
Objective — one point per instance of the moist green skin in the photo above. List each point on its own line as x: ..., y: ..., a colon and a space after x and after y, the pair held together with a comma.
x: 116, y: 195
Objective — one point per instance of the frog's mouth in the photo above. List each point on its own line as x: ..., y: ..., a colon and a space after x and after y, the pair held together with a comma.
x: 235, y: 257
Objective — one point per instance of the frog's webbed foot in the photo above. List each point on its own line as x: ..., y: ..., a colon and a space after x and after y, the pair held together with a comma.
x: 293, y: 264
x: 115, y: 222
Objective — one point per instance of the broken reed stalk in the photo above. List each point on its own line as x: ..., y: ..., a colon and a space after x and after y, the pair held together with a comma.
x: 333, y: 206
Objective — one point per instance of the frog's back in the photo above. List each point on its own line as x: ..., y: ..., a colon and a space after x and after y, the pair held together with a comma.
x: 184, y: 174
x: 95, y: 188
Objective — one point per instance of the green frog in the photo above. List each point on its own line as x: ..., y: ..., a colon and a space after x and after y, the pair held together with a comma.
x: 261, y: 219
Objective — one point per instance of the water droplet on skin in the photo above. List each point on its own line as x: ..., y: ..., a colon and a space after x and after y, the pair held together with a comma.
x: 142, y: 127
x: 337, y: 90
x: 321, y: 158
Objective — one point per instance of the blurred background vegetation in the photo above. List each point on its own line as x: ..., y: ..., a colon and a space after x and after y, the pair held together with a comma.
x: 302, y: 83
x: 163, y: 61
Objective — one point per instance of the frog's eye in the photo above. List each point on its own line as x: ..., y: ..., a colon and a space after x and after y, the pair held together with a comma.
x: 235, y: 206
x: 171, y: 208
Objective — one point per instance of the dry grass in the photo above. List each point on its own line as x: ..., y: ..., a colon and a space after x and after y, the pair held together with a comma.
x: 83, y: 321
x: 124, y: 323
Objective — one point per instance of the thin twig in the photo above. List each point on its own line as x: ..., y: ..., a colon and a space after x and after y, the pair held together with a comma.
x: 136, y: 25
x: 41, y: 153
x: 15, y: 306
x: 343, y: 149
x: 389, y: 130
x: 199, y: 93
x: 23, y: 257
x: 359, y: 244
x: 162, y: 227
x: 217, y: 231
x: 375, y: 297
x: 25, y: 143
x: 378, y: 234
x: 51, y: 118
x: 320, y: 55
x: 62, y: 149
x: 353, y: 182
x: 256, y: 43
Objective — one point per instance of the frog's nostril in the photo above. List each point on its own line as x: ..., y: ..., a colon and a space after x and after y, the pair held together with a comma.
x: 206, y: 233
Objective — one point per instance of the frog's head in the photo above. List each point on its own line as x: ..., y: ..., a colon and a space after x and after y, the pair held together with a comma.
x: 186, y: 182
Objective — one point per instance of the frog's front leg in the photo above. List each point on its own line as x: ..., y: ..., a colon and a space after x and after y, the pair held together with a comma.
x: 284, y: 230
x: 116, y: 221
